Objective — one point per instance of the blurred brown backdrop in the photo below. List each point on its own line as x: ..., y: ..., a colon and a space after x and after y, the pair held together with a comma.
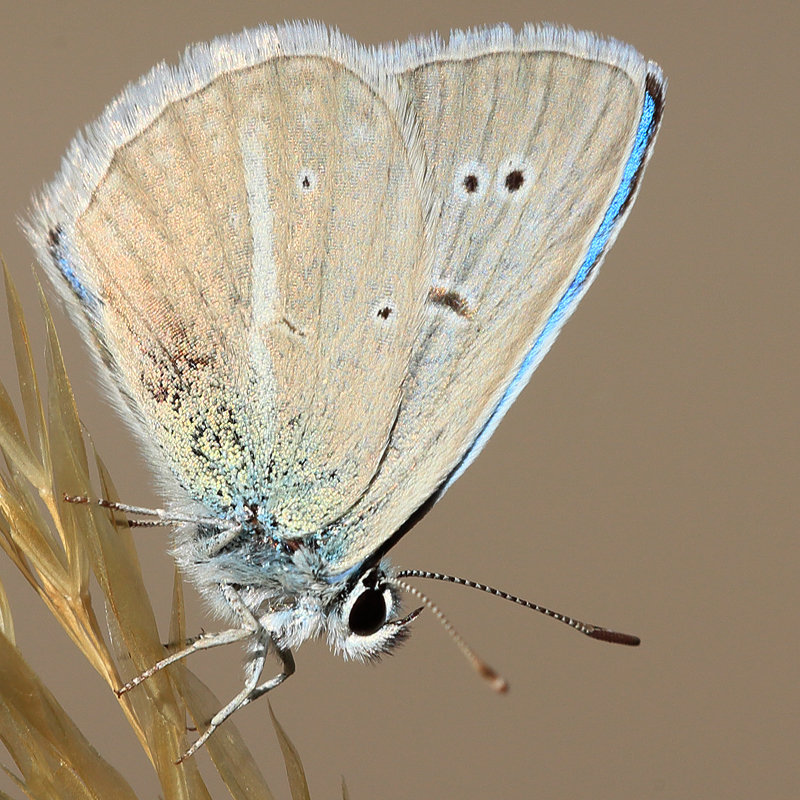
x: 646, y: 479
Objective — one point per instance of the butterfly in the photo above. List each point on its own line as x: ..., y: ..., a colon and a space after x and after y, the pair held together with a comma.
x: 314, y: 277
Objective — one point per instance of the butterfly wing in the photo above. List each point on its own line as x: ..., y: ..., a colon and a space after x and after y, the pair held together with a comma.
x: 535, y: 145
x: 316, y: 276
x: 239, y: 238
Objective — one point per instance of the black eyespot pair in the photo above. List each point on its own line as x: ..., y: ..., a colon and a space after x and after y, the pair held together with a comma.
x: 513, y: 182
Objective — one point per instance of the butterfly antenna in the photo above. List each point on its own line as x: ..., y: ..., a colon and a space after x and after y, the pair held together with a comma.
x: 496, y: 681
x: 593, y: 631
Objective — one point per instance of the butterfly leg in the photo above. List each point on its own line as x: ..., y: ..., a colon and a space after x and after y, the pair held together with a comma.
x: 224, y: 538
x: 250, y: 691
x: 203, y: 642
x: 250, y: 627
x: 287, y: 659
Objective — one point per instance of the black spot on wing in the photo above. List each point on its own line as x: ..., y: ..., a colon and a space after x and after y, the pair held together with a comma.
x: 514, y: 180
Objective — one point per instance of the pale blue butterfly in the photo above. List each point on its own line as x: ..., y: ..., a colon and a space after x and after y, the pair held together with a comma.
x: 315, y: 276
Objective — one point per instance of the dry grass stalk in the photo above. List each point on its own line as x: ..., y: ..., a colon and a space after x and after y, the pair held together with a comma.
x: 57, y: 547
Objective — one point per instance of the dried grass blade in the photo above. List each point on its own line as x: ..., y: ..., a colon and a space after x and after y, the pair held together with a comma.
x: 14, y: 443
x: 227, y: 748
x: 291, y: 758
x: 54, y: 757
x: 116, y: 566
x: 28, y: 384
x: 24, y: 535
x: 59, y: 388
x: 134, y: 635
x: 18, y: 484
x: 68, y: 453
x: 162, y: 738
x: 6, y: 620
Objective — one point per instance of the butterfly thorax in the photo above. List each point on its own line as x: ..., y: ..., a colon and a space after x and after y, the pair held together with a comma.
x: 291, y: 588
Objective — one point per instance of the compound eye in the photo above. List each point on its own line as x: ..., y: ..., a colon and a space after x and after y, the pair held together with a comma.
x: 368, y: 613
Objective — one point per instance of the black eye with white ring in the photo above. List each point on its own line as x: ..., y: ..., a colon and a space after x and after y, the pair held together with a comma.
x: 368, y: 613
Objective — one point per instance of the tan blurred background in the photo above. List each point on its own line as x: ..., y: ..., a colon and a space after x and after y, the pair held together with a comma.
x: 646, y: 479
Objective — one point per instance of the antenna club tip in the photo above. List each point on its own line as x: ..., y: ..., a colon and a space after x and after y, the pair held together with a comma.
x: 496, y: 681
x: 615, y: 637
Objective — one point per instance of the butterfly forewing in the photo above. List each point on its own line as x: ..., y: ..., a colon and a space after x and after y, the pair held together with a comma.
x: 256, y: 285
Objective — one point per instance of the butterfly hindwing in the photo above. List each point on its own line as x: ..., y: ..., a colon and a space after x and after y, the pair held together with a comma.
x: 527, y: 143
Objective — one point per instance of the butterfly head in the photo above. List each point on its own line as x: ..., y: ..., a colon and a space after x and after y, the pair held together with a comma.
x: 363, y: 624
x: 294, y: 598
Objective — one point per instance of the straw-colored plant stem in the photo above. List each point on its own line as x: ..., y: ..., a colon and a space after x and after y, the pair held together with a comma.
x: 57, y: 547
